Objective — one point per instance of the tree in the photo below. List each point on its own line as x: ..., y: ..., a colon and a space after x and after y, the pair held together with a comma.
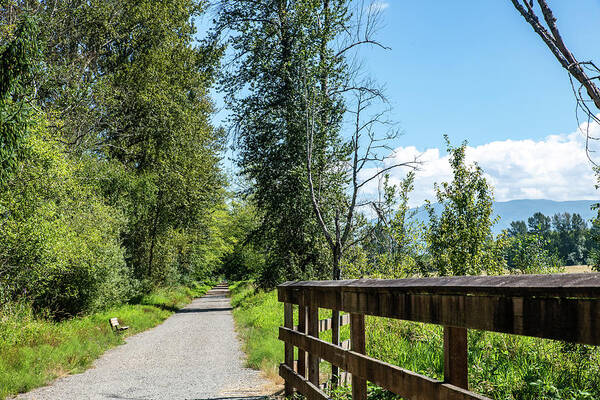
x: 539, y: 224
x: 396, y: 247
x: 586, y: 73
x: 270, y: 40
x: 517, y: 228
x: 18, y: 58
x: 339, y: 229
x: 460, y: 240
x: 570, y: 231
x: 527, y: 254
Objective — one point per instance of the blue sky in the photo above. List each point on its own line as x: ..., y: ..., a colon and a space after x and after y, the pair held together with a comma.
x: 475, y: 70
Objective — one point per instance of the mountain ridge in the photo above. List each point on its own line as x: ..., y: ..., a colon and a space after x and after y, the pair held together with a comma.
x: 521, y: 209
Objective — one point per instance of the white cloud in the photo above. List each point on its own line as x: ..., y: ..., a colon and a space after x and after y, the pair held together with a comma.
x: 378, y: 6
x: 554, y: 168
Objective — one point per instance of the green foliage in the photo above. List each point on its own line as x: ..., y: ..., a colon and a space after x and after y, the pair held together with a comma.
x: 527, y: 254
x: 539, y: 224
x: 117, y: 187
x: 569, y: 238
x: 35, y: 350
x: 460, y: 239
x: 245, y: 258
x: 396, y: 248
x: 61, y: 245
x: 17, y: 60
x: 565, y: 237
x: 278, y: 47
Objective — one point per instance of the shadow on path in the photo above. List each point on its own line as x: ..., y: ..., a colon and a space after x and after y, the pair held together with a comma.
x: 201, y: 310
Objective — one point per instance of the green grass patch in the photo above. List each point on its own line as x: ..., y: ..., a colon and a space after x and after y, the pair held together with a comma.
x: 502, y: 367
x: 34, y: 351
x: 258, y: 316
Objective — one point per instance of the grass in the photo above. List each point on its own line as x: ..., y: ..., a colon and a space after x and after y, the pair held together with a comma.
x: 258, y: 316
x: 34, y: 351
x: 502, y: 367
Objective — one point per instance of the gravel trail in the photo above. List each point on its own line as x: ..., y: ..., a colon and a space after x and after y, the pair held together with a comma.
x: 194, y: 354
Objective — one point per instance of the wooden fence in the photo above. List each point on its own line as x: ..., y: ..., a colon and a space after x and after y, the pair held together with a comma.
x: 562, y: 306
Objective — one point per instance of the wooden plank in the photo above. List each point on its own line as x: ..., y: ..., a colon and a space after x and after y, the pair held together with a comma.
x: 585, y: 285
x: 456, y: 369
x: 327, y: 324
x: 320, y: 348
x: 570, y: 319
x: 301, y: 328
x: 310, y: 391
x: 335, y: 340
x: 313, y: 330
x: 358, y: 343
x: 288, y: 320
x: 345, y: 344
x: 405, y: 383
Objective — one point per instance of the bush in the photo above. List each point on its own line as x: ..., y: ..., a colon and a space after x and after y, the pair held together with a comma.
x: 60, y: 246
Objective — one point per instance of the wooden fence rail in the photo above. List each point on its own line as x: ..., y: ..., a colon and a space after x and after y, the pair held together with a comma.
x: 562, y: 306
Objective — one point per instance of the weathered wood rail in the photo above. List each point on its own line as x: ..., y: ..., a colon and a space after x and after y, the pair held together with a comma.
x: 562, y: 306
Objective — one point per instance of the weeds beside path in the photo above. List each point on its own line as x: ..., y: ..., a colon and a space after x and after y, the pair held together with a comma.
x: 35, y: 351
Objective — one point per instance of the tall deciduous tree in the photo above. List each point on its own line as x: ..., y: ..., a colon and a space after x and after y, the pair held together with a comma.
x: 270, y: 41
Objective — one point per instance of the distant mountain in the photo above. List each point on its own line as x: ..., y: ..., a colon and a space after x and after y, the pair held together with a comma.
x: 515, y: 210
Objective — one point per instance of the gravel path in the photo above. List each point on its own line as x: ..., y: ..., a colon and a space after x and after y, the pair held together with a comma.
x: 194, y: 354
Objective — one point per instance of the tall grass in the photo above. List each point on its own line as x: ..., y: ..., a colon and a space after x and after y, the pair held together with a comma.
x: 35, y: 350
x: 502, y: 367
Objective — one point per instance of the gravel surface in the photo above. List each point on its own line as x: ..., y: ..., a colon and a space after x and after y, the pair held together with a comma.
x: 194, y: 354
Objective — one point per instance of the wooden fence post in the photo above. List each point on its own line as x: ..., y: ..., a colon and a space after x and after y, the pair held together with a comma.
x: 301, y: 329
x: 357, y: 342
x: 456, y: 363
x: 288, y: 322
x: 313, y: 330
x: 335, y: 339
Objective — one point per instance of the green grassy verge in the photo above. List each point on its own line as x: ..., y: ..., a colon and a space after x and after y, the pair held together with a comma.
x: 503, y: 367
x: 258, y: 316
x: 34, y: 351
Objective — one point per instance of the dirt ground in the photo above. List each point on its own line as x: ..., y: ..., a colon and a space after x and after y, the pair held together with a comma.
x: 577, y: 269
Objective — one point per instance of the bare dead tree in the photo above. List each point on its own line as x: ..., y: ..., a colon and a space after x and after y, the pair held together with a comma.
x: 365, y: 153
x: 368, y: 153
x: 583, y: 75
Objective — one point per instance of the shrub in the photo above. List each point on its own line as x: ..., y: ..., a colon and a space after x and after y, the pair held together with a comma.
x: 60, y: 246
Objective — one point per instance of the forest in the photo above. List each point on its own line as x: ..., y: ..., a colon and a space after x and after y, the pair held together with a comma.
x: 114, y: 180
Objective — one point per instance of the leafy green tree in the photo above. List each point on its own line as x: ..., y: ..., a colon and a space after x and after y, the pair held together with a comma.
x: 245, y: 259
x: 517, y: 228
x: 272, y: 41
x: 569, y: 237
x: 527, y: 254
x: 154, y: 93
x: 60, y: 247
x: 18, y: 57
x: 396, y: 247
x: 460, y: 239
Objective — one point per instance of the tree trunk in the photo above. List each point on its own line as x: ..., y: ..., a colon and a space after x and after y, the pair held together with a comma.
x: 153, y: 234
x: 336, y: 264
